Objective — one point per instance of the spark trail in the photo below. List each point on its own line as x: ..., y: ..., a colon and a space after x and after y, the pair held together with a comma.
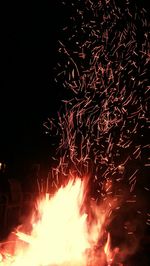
x: 105, y: 61
x: 103, y: 129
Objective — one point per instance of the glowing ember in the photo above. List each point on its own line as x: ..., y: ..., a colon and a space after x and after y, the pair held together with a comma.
x: 62, y: 233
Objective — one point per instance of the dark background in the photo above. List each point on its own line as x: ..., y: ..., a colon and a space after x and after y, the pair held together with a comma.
x: 29, y: 32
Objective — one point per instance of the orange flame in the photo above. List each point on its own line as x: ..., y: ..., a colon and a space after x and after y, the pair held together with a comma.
x: 63, y: 234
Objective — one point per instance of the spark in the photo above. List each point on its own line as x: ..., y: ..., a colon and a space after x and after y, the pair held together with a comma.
x: 104, y: 124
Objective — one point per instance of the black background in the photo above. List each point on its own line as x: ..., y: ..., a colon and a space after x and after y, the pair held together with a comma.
x: 29, y: 33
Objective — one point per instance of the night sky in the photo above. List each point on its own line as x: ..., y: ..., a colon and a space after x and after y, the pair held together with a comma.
x: 28, y: 94
x: 29, y: 34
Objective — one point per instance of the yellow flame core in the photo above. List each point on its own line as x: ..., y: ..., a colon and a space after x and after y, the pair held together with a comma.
x: 60, y: 236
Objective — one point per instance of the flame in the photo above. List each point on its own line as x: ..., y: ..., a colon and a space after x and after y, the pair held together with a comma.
x: 63, y: 233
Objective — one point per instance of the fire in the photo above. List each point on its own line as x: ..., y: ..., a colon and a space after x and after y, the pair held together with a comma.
x: 63, y: 233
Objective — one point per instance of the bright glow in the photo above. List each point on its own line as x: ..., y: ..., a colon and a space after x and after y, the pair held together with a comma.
x: 61, y: 233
